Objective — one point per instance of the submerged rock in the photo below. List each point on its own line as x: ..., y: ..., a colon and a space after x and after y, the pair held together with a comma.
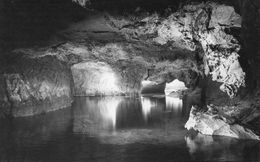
x: 212, y: 123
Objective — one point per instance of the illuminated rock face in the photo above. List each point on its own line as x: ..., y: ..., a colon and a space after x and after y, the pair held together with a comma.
x: 184, y: 45
x: 212, y: 123
x: 95, y: 78
x: 195, y: 26
x: 185, y: 70
x: 99, y: 78
x: 174, y: 86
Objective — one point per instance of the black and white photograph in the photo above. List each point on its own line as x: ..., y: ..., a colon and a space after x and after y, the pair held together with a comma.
x: 129, y: 80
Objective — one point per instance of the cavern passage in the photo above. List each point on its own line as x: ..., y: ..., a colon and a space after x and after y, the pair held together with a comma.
x: 134, y: 68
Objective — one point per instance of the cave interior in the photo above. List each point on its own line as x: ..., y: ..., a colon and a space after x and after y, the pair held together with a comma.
x: 53, y: 51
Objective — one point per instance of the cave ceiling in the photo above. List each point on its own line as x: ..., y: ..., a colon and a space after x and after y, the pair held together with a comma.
x: 52, y: 50
x: 200, y: 28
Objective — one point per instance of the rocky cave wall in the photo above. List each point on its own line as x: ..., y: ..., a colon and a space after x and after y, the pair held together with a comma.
x: 30, y: 85
x: 200, y: 27
x: 187, y: 44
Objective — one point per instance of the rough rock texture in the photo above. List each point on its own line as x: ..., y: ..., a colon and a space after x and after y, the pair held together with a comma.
x: 94, y: 78
x: 245, y: 107
x: 188, y: 44
x: 124, y: 63
x: 98, y: 78
x: 212, y: 31
x: 184, y: 70
x: 250, y: 58
x: 34, y: 85
x: 212, y: 123
x: 193, y: 27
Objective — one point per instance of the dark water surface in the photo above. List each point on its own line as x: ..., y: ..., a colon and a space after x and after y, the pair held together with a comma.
x: 117, y: 129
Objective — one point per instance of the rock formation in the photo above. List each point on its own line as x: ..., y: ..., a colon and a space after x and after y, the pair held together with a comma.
x: 34, y: 85
x: 193, y: 27
x: 111, y: 54
x: 211, y: 123
x: 209, y: 30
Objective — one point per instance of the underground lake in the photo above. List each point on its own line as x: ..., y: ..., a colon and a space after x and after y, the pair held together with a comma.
x: 117, y: 129
x: 130, y: 80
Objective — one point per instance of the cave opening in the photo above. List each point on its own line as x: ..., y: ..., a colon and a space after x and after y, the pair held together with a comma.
x: 119, y: 80
x: 149, y: 87
x: 163, y: 88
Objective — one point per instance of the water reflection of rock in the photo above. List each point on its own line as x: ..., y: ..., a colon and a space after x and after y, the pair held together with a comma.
x: 151, y: 106
x: 22, y: 134
x: 93, y: 114
x: 143, y: 120
x: 129, y: 114
x: 147, y: 106
x: 174, y: 104
x: 222, y: 148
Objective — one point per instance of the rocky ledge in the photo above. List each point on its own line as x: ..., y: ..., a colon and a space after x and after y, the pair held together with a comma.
x: 214, y: 123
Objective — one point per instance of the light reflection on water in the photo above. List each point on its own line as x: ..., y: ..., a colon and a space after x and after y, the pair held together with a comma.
x: 147, y: 105
x: 110, y: 113
x: 174, y: 104
x: 117, y: 129
x: 92, y: 114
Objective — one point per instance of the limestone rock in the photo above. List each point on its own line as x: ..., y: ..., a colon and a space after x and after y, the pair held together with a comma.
x: 202, y: 24
x: 175, y: 86
x: 224, y: 15
x: 130, y: 63
x: 184, y: 70
x: 34, y: 86
x: 95, y: 78
x: 99, y: 78
x: 211, y: 123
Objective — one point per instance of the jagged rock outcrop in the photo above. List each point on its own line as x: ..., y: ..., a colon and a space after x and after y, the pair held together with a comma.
x: 119, y: 68
x: 184, y: 45
x: 212, y: 123
x: 32, y: 86
x: 193, y: 26
x: 167, y: 71
x: 246, y: 104
x: 211, y: 30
